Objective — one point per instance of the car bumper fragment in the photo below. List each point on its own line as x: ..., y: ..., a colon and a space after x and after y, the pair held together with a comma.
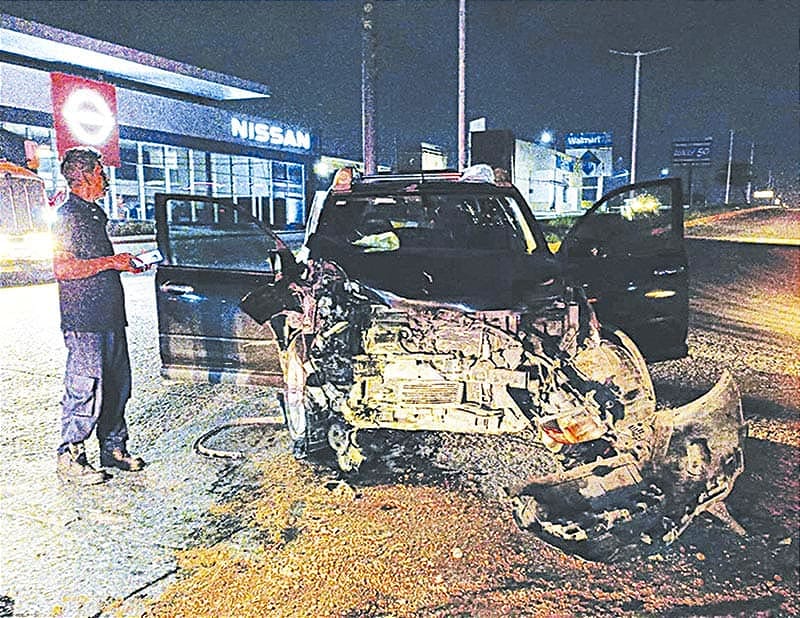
x: 601, y: 509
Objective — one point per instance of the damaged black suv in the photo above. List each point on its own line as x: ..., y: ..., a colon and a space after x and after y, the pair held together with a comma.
x: 432, y: 302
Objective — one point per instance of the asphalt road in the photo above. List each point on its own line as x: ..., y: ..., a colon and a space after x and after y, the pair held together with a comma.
x: 80, y: 553
x: 71, y: 552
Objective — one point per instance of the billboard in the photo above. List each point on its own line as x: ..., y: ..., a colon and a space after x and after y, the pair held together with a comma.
x: 85, y: 114
x: 692, y: 152
x: 593, y: 151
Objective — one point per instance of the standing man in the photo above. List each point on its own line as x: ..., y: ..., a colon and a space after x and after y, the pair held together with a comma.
x: 98, y: 372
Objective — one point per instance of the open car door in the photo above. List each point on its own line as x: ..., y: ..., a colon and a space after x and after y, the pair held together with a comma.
x: 628, y: 252
x: 214, y: 254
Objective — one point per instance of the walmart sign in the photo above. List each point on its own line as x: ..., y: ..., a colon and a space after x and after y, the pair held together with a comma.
x: 593, y: 152
x: 588, y: 140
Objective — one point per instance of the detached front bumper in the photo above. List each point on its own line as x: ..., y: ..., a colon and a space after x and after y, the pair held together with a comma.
x: 648, y: 495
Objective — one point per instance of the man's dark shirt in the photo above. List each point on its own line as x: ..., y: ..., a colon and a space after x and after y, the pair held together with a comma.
x: 96, y: 303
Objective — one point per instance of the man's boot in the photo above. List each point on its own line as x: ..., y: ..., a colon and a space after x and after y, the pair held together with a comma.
x: 120, y: 458
x: 73, y: 467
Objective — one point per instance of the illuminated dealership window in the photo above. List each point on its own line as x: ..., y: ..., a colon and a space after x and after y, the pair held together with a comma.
x: 221, y: 174
x: 273, y: 189
x: 241, y: 176
x: 198, y: 172
x: 179, y: 174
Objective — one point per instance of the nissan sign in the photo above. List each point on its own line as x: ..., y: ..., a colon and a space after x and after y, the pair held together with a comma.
x: 270, y: 134
x: 85, y: 114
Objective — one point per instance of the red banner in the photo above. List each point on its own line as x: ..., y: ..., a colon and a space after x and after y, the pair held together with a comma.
x: 85, y: 114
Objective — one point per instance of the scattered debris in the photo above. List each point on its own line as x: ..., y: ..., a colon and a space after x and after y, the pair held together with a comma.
x: 358, y: 359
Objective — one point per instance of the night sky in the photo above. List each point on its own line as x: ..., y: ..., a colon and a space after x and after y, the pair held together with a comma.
x: 531, y: 65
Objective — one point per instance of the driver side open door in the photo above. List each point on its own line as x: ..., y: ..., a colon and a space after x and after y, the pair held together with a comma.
x: 215, y: 253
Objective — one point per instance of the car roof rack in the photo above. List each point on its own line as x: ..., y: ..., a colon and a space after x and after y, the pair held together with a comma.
x: 347, y: 177
x: 448, y: 175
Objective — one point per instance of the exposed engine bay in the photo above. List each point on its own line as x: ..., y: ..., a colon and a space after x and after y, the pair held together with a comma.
x: 356, y: 358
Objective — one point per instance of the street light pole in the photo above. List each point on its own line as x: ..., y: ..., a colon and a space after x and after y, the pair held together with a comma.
x: 635, y: 131
x: 367, y: 92
x: 749, y: 172
x: 462, y: 89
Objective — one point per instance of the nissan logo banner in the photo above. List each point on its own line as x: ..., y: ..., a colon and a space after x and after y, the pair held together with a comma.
x: 85, y: 114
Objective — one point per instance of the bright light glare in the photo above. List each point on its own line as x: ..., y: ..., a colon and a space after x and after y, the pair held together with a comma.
x: 32, y: 246
x: 40, y: 244
x: 643, y: 204
x: 49, y: 216
x: 660, y: 294
x: 322, y: 169
x: 546, y: 137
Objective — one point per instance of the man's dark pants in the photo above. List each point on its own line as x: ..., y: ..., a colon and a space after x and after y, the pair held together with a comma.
x: 97, y: 387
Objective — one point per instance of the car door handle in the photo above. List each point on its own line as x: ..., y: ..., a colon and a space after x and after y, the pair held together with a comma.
x: 176, y: 289
x: 666, y: 272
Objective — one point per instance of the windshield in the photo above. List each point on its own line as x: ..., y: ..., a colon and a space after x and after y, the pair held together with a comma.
x: 430, y: 221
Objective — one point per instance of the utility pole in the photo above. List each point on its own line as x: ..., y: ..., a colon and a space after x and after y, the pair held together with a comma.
x: 367, y: 94
x: 750, y: 171
x: 462, y: 89
x: 634, y: 133
x: 730, y: 163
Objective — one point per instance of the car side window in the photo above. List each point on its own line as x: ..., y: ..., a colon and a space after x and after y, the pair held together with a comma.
x: 631, y: 223
x: 211, y: 234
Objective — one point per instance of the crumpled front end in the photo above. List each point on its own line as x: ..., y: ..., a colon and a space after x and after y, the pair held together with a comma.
x: 600, y: 509
x: 361, y: 359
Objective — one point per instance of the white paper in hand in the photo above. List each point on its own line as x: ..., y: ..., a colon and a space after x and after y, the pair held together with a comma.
x: 148, y: 257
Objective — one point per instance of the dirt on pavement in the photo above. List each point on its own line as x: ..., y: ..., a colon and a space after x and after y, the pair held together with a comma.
x: 271, y: 536
x: 418, y: 543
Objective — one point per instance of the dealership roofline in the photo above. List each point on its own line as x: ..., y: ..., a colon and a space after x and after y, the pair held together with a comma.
x: 41, y: 43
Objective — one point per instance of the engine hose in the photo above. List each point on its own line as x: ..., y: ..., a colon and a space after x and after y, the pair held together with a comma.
x: 201, y: 449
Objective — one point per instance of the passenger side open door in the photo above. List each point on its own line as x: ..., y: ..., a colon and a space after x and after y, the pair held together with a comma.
x: 214, y: 252
x: 628, y: 253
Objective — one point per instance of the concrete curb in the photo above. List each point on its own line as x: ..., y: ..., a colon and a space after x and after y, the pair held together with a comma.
x: 721, y: 216
x: 121, y: 240
x: 732, y: 214
x: 778, y: 242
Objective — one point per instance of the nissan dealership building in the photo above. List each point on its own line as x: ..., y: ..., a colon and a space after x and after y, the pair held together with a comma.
x: 163, y: 126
